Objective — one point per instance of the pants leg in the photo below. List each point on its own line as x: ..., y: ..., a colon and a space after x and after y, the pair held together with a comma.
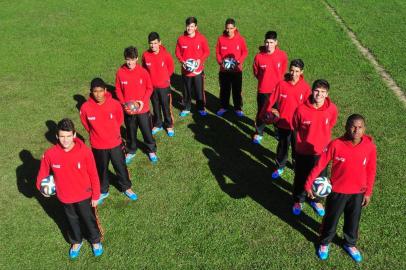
x: 261, y: 101
x: 118, y: 160
x: 144, y: 121
x: 282, y: 149
x: 89, y: 219
x: 198, y: 81
x: 75, y: 233
x: 156, y: 108
x: 187, y: 92
x: 101, y: 157
x: 131, y: 125
x: 165, y: 99
x: 236, y: 82
x: 225, y: 89
x: 335, y: 205
x: 352, y: 216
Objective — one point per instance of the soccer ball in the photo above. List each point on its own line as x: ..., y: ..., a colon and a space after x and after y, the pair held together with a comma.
x: 270, y: 118
x: 229, y: 63
x: 191, y: 65
x: 132, y: 107
x: 48, y: 185
x: 321, y: 187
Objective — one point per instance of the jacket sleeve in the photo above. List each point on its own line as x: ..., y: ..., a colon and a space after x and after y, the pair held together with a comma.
x: 178, y: 53
x: 244, y: 51
x: 255, y: 68
x: 334, y: 117
x: 148, y: 88
x: 119, y: 114
x: 325, y: 158
x: 143, y: 61
x: 170, y: 64
x: 284, y: 63
x: 269, y: 103
x: 295, y: 120
x: 218, y: 55
x: 83, y: 118
x: 371, y: 171
x: 44, y: 169
x: 206, y: 50
x: 92, y: 172
x: 119, y: 90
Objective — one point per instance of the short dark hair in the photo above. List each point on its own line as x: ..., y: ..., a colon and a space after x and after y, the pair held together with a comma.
x: 130, y: 52
x: 153, y: 36
x: 321, y: 83
x: 297, y: 63
x: 271, y: 35
x: 65, y: 125
x: 190, y: 20
x: 97, y: 82
x: 352, y: 118
x: 230, y: 21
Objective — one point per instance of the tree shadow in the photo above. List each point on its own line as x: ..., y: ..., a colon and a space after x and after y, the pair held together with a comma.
x: 242, y: 169
x: 26, y: 175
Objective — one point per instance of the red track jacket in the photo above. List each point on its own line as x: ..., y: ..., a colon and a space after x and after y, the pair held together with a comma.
x: 234, y: 47
x: 353, y: 166
x: 159, y: 66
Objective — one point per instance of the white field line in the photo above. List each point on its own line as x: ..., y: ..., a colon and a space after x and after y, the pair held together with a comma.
x: 390, y: 82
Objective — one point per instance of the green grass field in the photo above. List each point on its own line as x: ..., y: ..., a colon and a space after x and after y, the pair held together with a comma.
x: 210, y: 202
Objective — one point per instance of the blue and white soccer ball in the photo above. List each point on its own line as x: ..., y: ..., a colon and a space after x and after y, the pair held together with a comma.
x: 229, y: 63
x: 48, y: 185
x: 191, y: 65
x: 321, y: 187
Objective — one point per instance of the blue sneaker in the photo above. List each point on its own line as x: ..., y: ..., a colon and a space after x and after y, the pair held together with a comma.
x: 354, y: 253
x: 74, y: 252
x: 184, y: 113
x: 153, y: 157
x: 322, y: 252
x: 318, y: 209
x: 131, y: 195
x: 170, y: 132
x: 221, y: 112
x: 202, y: 112
x: 155, y: 130
x: 97, y: 249
x: 239, y: 113
x: 128, y: 158
x: 257, y: 139
x: 102, y: 197
x: 297, y: 208
x: 277, y: 173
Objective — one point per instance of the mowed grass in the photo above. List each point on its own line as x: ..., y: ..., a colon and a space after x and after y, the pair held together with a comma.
x: 380, y: 26
x: 209, y: 202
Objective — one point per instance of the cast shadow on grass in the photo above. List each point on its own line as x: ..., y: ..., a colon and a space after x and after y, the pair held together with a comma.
x: 231, y: 155
x: 50, y: 134
x: 26, y: 175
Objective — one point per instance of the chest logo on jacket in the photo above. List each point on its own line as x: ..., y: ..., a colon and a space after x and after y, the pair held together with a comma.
x: 91, y: 118
x: 341, y: 159
x: 56, y: 166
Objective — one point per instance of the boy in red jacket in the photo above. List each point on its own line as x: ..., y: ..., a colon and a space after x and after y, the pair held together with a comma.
x: 77, y: 185
x: 313, y: 122
x: 231, y: 51
x: 269, y: 67
x: 353, y: 173
x: 102, y: 117
x: 288, y: 95
x: 159, y: 64
x: 192, y: 47
x: 134, y: 84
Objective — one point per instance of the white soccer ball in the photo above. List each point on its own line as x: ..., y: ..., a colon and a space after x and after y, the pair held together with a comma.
x: 48, y: 185
x: 229, y: 63
x: 191, y: 65
x: 321, y: 187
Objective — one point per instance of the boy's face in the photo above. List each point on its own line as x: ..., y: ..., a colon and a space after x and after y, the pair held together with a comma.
x: 131, y: 62
x: 319, y: 95
x: 99, y: 94
x: 65, y: 139
x: 191, y: 29
x: 270, y: 44
x: 230, y: 30
x: 296, y: 72
x: 154, y: 45
x: 356, y: 129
